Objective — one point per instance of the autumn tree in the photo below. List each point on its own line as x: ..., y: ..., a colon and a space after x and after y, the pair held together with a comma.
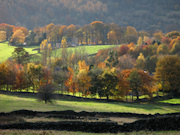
x: 168, y: 73
x: 142, y: 34
x: 125, y: 62
x: 173, y: 34
x: 87, y: 34
x: 98, y: 27
x: 35, y: 74
x: 71, y: 29
x: 8, y: 29
x: 108, y: 80
x: 20, y: 82
x: 54, y: 35
x: 166, y: 41
x: 140, y: 61
x: 71, y: 81
x: 135, y: 83
x: 123, y: 49
x: 112, y: 37
x: 46, y: 50
x: 150, y: 63
x: 140, y: 82
x: 83, y: 82
x: 158, y: 35
x: 175, y: 43
x: 79, y: 35
x: 62, y: 31
x: 112, y: 59
x: 123, y: 88
x: 30, y: 39
x: 140, y: 41
x: 24, y: 30
x: 96, y: 84
x: 63, y: 43
x: 3, y: 36
x: 10, y: 73
x: 3, y: 74
x: 48, y: 29
x: 131, y: 35
x: 18, y: 37
x: 20, y: 55
x: 162, y: 49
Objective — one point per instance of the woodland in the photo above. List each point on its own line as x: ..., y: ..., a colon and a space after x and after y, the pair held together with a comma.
x: 144, y: 64
x: 99, y: 66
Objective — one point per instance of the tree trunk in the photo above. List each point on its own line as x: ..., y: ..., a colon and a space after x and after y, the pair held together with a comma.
x: 137, y: 95
x: 107, y: 96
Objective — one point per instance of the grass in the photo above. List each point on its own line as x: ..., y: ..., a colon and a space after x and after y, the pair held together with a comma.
x: 13, y: 102
x: 171, y: 101
x: 50, y: 132
x: 88, y: 49
x: 6, y: 51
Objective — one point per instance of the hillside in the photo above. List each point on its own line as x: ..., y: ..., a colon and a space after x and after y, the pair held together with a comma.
x: 143, y: 15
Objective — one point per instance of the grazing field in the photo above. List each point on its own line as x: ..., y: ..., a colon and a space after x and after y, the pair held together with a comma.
x: 47, y: 132
x: 17, y: 102
x: 6, y: 51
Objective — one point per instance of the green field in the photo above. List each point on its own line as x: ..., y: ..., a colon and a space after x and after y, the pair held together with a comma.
x: 85, y: 49
x: 6, y: 51
x: 17, y: 102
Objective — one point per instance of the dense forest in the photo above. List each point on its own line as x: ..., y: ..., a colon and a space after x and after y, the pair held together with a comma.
x: 142, y: 14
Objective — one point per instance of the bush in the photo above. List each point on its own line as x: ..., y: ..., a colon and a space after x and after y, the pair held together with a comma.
x: 46, y: 93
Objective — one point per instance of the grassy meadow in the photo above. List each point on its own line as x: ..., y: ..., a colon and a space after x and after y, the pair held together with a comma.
x: 17, y: 102
x: 93, y: 49
x: 6, y: 50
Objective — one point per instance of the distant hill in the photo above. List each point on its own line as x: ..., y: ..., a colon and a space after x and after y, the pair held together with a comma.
x: 141, y: 14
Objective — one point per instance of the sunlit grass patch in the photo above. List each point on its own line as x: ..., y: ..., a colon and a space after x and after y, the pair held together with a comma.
x: 6, y: 50
x: 171, y: 101
x: 17, y: 102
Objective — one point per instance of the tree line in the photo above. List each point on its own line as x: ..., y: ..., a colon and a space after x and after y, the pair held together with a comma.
x: 95, y: 33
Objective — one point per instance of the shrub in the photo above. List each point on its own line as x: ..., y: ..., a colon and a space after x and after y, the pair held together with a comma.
x: 46, y: 93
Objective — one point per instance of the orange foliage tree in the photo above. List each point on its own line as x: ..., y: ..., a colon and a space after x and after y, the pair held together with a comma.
x: 71, y: 82
x: 3, y: 36
x: 18, y: 37
x: 141, y: 82
x: 83, y: 82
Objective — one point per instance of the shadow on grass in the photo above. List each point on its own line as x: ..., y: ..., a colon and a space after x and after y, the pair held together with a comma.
x: 81, y: 104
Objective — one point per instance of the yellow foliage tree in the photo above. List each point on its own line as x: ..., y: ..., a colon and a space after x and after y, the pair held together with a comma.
x: 83, y: 82
x: 140, y: 41
x: 140, y: 62
x: 112, y: 37
x: 83, y: 66
x: 46, y: 50
x: 63, y: 43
